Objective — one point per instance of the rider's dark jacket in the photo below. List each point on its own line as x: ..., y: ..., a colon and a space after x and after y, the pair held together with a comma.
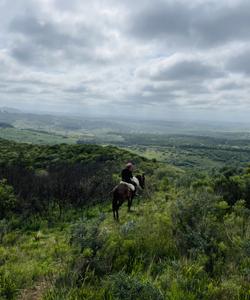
x: 127, y: 176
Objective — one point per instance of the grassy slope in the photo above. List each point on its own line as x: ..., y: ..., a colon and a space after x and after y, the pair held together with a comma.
x: 37, y: 253
x: 40, y: 262
x: 32, y: 255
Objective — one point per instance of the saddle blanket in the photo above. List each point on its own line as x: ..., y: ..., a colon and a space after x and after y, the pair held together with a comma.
x: 130, y: 185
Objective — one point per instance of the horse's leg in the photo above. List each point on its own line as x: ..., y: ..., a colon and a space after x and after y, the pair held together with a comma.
x: 129, y: 203
x: 130, y: 199
x: 117, y: 215
x: 113, y: 207
x: 115, y: 212
x: 116, y: 203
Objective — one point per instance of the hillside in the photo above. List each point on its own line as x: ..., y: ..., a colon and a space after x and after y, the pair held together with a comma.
x: 54, y: 175
x: 186, y: 238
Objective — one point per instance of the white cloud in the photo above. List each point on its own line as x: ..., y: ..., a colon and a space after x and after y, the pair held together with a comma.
x: 125, y: 56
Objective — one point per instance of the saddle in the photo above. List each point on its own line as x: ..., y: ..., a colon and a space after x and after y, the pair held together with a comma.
x: 130, y: 185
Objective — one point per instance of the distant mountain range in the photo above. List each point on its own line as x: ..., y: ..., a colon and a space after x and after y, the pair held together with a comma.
x: 82, y: 124
x: 9, y: 110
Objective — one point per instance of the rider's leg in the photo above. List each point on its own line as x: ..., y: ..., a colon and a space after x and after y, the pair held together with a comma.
x: 135, y: 190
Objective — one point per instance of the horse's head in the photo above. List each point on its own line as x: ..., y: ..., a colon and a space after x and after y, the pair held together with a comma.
x: 141, y: 179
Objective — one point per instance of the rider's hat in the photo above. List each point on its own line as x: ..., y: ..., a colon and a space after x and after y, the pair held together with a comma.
x: 129, y: 164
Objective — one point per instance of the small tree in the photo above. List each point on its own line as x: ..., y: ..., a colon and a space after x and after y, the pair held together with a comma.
x: 7, y: 198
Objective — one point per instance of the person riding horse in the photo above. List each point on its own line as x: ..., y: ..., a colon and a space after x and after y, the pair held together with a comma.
x: 126, y: 189
x: 127, y: 176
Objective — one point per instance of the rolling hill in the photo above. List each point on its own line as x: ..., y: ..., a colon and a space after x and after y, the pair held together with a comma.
x: 186, y: 238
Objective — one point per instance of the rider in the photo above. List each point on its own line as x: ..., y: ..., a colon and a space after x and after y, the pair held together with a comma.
x: 127, y: 175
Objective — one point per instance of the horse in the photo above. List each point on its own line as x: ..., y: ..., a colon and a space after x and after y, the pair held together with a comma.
x: 122, y: 192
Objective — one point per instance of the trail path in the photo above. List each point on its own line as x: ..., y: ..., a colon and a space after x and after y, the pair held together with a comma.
x: 35, y: 293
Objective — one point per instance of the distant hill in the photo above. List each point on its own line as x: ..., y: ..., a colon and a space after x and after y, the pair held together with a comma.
x: 5, y: 125
x: 103, y: 125
x: 9, y: 110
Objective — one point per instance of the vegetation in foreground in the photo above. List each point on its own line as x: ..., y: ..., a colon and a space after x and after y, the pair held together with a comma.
x: 187, y: 238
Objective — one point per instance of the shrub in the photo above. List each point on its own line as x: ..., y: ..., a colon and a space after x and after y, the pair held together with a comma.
x: 121, y: 286
x: 7, y: 198
x: 8, y: 289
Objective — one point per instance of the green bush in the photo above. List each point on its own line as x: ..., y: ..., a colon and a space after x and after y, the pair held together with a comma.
x: 7, y: 198
x: 121, y: 286
x: 8, y: 289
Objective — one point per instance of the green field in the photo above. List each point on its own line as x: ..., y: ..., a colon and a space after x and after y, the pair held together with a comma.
x: 185, y: 151
x: 35, y: 136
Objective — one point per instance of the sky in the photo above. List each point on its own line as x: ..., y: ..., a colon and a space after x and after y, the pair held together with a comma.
x: 156, y: 59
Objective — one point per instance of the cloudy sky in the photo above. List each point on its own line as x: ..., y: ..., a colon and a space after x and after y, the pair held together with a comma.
x: 156, y: 59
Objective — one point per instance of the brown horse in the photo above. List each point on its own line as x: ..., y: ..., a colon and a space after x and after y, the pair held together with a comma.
x: 122, y: 193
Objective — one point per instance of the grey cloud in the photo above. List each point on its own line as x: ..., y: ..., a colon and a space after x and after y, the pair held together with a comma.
x: 28, y: 54
x: 225, y: 23
x: 240, y: 62
x: 161, y: 19
x: 42, y: 42
x: 28, y: 82
x: 189, y: 69
x: 76, y: 89
x: 66, y: 5
x: 181, y: 72
x: 7, y: 89
x: 55, y: 35
x: 18, y: 90
x: 173, y: 94
x: 202, y: 25
x: 34, y: 55
x: 174, y: 88
x: 125, y: 54
x: 229, y: 86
